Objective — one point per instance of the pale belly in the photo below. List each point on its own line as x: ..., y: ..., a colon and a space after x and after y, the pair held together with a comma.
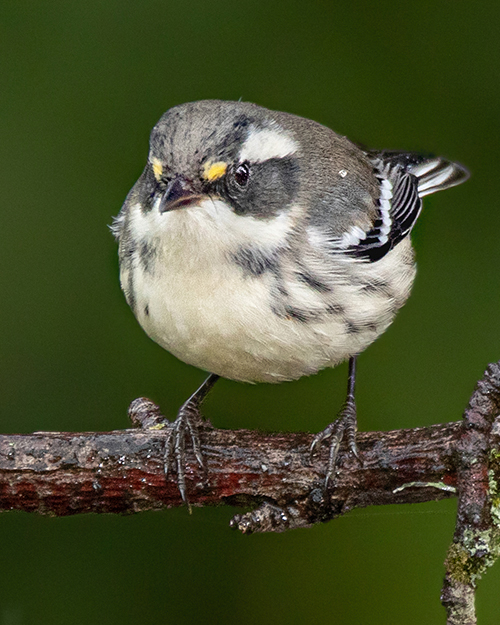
x: 224, y: 323
x: 202, y: 308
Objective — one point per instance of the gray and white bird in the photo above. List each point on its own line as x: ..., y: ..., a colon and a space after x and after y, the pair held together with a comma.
x: 262, y: 247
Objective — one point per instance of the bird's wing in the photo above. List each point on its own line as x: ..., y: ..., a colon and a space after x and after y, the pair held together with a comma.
x: 404, y: 178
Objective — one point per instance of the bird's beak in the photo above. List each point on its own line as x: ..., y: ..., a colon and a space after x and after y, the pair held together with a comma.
x: 179, y: 193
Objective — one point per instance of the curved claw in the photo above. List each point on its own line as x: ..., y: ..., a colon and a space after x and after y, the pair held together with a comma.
x: 186, y: 423
x: 175, y: 446
x: 345, y: 424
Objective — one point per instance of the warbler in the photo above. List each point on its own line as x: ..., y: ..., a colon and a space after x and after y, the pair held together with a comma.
x: 261, y: 247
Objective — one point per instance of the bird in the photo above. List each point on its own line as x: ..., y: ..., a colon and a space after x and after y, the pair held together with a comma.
x: 260, y: 246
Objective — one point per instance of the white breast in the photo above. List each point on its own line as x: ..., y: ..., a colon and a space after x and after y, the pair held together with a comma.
x: 207, y: 312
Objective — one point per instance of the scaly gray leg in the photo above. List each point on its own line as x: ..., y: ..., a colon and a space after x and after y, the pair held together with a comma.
x: 189, y: 418
x: 344, y: 425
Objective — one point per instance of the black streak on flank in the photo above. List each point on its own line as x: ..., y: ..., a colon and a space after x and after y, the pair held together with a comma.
x: 376, y: 286
x: 130, y: 292
x: 311, y: 281
x: 298, y: 314
x: 357, y: 328
x: 146, y: 310
x: 147, y: 254
x: 279, y: 284
x: 254, y: 261
x: 335, y: 309
x: 353, y: 328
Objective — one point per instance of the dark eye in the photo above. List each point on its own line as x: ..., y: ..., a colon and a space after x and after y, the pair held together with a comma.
x: 242, y: 174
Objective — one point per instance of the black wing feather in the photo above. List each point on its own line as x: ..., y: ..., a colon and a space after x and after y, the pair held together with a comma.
x: 403, y: 210
x: 410, y: 177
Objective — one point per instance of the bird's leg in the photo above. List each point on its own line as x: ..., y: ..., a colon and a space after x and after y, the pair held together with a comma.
x: 344, y: 425
x: 187, y: 423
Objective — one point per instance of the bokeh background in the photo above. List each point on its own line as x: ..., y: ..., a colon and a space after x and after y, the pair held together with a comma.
x: 81, y: 85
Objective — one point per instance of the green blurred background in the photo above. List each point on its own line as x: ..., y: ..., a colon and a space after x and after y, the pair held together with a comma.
x: 81, y: 85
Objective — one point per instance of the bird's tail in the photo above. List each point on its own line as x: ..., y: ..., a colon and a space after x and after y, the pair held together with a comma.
x: 433, y: 173
x: 436, y: 174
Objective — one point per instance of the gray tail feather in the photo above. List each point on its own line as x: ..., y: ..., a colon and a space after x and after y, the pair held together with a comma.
x: 435, y: 174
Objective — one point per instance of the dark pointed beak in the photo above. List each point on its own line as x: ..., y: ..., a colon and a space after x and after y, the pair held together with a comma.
x: 180, y: 192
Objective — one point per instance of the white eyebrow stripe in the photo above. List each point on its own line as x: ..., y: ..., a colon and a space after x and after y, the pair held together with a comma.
x: 262, y: 145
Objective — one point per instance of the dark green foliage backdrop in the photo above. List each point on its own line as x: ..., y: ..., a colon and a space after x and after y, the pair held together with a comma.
x: 82, y: 83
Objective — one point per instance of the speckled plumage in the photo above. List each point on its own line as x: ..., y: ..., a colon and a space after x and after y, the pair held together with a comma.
x: 299, y: 269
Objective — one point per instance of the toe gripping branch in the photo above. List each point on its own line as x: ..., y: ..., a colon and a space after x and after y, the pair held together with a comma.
x: 270, y: 473
x: 189, y: 418
x: 344, y: 425
x: 67, y: 473
x: 146, y: 414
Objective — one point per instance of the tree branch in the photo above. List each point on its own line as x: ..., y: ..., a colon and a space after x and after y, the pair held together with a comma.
x: 476, y: 542
x: 68, y: 473
x: 123, y: 471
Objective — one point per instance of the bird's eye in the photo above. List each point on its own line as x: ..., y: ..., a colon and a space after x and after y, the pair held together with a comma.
x: 242, y: 174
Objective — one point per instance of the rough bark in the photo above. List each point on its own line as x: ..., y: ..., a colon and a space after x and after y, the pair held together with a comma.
x: 476, y: 542
x: 273, y: 476
x: 69, y: 473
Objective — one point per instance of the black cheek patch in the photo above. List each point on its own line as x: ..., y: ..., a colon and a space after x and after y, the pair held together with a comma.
x: 273, y: 186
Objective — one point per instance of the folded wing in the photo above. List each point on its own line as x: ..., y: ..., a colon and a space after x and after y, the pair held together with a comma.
x: 404, y: 179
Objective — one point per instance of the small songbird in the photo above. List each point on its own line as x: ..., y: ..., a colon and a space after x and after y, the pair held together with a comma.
x: 262, y: 247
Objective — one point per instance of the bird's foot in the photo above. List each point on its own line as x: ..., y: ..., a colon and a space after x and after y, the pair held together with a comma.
x: 184, y: 428
x: 344, y: 426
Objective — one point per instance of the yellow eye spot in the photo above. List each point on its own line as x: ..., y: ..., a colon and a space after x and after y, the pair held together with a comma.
x: 157, y: 168
x: 213, y: 171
